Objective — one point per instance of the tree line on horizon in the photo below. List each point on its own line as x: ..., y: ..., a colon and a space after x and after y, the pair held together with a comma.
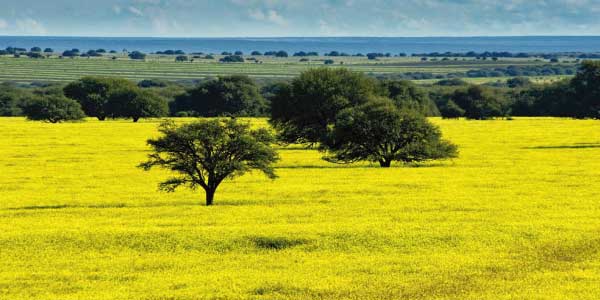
x: 238, y: 95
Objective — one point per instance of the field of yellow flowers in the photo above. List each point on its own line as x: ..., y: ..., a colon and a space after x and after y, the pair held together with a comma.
x: 516, y: 216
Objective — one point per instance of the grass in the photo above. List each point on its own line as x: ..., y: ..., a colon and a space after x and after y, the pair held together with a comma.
x: 515, y: 217
x: 63, y: 70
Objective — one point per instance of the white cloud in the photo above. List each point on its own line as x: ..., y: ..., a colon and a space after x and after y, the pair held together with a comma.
x: 3, y: 24
x: 31, y: 26
x: 117, y: 9
x: 135, y: 11
x: 270, y: 16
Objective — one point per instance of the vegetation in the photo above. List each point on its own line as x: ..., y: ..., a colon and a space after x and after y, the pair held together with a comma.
x: 53, y: 108
x: 514, y: 215
x: 379, y: 131
x: 225, y: 96
x: 205, y: 153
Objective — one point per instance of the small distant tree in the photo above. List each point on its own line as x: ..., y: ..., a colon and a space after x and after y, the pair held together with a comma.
x: 205, y: 153
x: 181, y: 58
x: 137, y: 55
x: 256, y: 53
x: 281, y: 54
x: 329, y: 62
x: 380, y: 132
x: 232, y: 59
x: 48, y: 50
x: 36, y: 49
x: 53, y: 108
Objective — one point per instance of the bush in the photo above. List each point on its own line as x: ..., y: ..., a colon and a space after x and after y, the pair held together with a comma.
x: 53, y: 108
x: 137, y: 55
x: 181, y: 58
x: 232, y: 59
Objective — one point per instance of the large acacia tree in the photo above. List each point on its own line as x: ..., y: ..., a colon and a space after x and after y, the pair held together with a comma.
x: 379, y: 131
x: 204, y: 153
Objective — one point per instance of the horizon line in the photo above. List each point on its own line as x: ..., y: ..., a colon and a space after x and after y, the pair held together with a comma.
x: 284, y: 37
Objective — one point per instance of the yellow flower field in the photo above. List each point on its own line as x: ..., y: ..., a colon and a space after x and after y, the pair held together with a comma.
x: 517, y: 216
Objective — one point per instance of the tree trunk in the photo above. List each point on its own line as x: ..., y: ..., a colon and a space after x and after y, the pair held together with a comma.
x: 101, y: 118
x: 135, y: 119
x: 210, y: 196
x: 385, y: 163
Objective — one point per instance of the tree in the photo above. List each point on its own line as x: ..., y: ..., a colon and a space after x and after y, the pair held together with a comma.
x: 586, y: 85
x: 137, y: 55
x: 329, y: 62
x: 226, y: 96
x: 406, y: 94
x: 479, y: 102
x: 451, y: 110
x: 53, y: 108
x: 379, y: 131
x: 11, y: 100
x: 232, y: 59
x: 302, y: 111
x: 181, y: 58
x: 36, y: 49
x: 93, y: 93
x: 205, y: 153
x: 48, y: 50
x: 132, y: 102
x: 281, y: 53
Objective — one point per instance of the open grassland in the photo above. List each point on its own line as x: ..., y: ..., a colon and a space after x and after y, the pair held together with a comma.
x: 63, y: 70
x: 517, y: 216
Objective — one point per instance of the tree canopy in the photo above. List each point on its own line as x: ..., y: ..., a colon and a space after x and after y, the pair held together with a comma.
x: 225, y: 96
x: 204, y: 153
x: 302, y: 110
x: 381, y: 132
x: 53, y: 108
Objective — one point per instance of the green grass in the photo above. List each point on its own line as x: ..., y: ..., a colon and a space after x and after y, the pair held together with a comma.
x: 515, y: 217
x: 62, y: 70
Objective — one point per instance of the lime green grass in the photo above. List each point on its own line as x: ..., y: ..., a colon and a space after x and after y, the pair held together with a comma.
x: 156, y: 67
x: 517, y: 216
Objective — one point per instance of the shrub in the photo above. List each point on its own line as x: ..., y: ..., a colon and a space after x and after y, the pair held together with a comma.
x: 53, y: 108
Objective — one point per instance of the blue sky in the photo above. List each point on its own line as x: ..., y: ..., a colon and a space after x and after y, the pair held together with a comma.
x: 258, y: 18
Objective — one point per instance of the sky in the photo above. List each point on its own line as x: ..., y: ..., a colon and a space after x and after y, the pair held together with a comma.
x: 287, y: 18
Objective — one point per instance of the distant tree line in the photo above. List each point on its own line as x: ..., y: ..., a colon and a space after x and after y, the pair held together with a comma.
x: 104, y: 98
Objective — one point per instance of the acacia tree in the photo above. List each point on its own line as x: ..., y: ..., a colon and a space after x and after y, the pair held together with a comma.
x: 381, y: 132
x: 205, y: 153
x: 135, y: 103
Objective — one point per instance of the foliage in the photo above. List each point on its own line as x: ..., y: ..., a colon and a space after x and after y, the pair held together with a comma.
x: 53, y: 108
x: 451, y: 110
x: 379, y: 131
x: 232, y: 59
x: 137, y: 55
x: 93, y: 93
x: 11, y: 100
x: 302, y: 111
x: 225, y: 96
x: 408, y: 95
x: 586, y: 86
x: 479, y: 102
x: 205, y: 153
x: 134, y: 103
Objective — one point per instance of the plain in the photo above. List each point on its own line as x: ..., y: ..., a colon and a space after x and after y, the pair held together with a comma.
x: 516, y: 216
